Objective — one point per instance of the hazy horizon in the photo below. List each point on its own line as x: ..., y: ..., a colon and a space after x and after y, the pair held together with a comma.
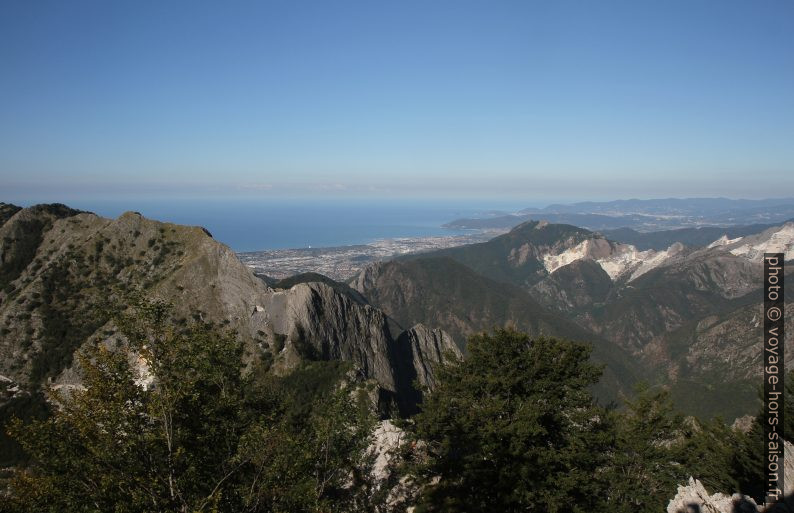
x: 449, y: 100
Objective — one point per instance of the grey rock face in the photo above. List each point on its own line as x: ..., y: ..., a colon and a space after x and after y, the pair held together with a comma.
x: 322, y: 324
x: 428, y: 348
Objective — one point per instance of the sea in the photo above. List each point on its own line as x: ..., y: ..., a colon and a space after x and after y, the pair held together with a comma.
x: 254, y: 224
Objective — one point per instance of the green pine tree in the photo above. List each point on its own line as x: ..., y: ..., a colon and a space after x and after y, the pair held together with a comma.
x: 513, y: 427
x: 643, y: 472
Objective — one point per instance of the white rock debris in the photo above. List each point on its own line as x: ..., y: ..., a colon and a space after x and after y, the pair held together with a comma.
x: 723, y: 241
x: 693, y: 497
x: 617, y: 260
x: 387, y: 439
x: 552, y: 262
x: 145, y: 377
x: 774, y: 240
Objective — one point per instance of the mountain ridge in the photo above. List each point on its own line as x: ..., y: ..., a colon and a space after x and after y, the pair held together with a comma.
x: 639, y: 299
x: 80, y: 268
x: 645, y: 215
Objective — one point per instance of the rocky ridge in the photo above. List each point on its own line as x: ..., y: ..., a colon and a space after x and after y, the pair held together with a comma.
x: 65, y: 280
x: 684, y: 314
x: 693, y: 496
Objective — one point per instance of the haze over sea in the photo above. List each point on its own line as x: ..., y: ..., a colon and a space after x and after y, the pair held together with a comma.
x: 251, y: 224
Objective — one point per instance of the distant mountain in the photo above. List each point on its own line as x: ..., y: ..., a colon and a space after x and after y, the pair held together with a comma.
x: 692, y: 237
x: 690, y: 207
x: 666, y: 307
x: 646, y: 215
x: 533, y: 250
x: 515, y: 257
x: 590, y: 221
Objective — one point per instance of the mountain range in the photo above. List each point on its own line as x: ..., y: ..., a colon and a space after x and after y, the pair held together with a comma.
x: 686, y: 315
x: 645, y: 215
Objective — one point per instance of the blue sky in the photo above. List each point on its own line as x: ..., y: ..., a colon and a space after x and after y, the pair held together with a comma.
x: 523, y: 99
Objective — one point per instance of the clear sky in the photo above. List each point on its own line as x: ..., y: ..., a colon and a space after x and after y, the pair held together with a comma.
x: 588, y: 99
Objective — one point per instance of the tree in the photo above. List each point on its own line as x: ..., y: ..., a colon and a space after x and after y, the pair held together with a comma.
x: 513, y: 428
x: 748, y: 463
x: 313, y: 455
x: 172, y: 421
x: 708, y: 452
x: 643, y: 472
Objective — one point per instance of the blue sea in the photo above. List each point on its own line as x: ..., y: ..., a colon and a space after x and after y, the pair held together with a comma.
x: 253, y: 224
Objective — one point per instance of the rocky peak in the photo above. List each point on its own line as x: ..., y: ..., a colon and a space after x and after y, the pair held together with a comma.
x: 428, y: 347
x: 320, y: 323
x: 317, y: 322
x: 66, y: 276
x: 7, y: 210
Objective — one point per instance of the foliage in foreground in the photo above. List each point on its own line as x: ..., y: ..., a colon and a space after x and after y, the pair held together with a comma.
x: 513, y: 427
x: 203, y: 436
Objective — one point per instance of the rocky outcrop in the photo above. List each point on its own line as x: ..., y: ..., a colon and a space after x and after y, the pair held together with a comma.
x: 317, y: 322
x: 400, y: 492
x: 693, y: 498
x: 387, y: 439
x: 428, y: 347
x: 743, y: 424
x: 320, y: 323
x: 416, y: 354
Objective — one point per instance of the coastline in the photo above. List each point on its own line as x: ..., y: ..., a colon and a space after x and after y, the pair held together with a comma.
x: 343, y: 262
